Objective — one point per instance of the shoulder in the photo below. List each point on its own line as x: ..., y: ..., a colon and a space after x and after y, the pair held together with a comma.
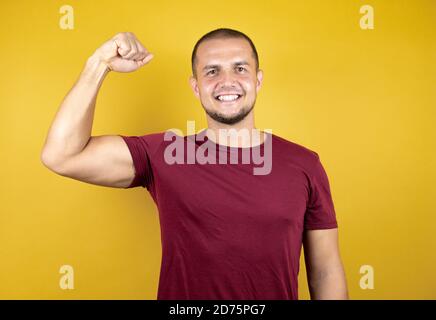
x: 297, y: 154
x: 151, y: 143
x: 156, y: 137
x: 297, y: 150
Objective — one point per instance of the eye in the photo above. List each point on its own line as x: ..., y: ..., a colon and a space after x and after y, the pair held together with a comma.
x: 240, y: 69
x: 210, y: 71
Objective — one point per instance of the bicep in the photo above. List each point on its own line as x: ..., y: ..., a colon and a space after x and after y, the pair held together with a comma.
x: 106, y: 161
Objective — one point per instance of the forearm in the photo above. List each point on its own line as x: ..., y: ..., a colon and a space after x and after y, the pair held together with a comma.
x: 328, y: 285
x: 71, y: 128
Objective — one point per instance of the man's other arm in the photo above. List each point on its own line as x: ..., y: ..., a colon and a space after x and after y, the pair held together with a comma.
x: 325, y: 272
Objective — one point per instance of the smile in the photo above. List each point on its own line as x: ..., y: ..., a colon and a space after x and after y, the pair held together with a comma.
x: 228, y: 97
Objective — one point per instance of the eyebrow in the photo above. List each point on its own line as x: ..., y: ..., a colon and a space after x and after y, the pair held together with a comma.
x: 238, y: 63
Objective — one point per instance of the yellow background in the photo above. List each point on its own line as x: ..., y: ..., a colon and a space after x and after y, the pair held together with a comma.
x: 363, y: 99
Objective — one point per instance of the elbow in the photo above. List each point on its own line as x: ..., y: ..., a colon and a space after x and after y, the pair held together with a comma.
x: 51, y: 161
x: 47, y: 158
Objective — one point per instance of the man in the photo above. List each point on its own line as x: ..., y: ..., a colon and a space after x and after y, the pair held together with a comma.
x: 226, y: 233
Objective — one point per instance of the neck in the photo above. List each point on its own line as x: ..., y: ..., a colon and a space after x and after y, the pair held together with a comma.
x: 243, y: 134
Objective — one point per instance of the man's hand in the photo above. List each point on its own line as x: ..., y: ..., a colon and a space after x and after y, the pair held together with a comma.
x: 123, y: 53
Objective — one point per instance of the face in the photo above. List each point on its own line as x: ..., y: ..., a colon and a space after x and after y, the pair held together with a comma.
x: 227, y: 82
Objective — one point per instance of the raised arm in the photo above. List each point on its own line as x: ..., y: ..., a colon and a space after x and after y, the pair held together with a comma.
x: 69, y: 148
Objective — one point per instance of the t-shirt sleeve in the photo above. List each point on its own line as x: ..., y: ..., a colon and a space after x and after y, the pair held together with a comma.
x: 140, y: 152
x: 320, y: 211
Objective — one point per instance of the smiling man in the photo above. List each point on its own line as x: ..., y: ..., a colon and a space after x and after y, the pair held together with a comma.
x: 236, y: 60
x: 226, y: 233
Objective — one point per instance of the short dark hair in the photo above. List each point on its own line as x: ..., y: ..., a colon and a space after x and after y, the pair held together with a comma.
x: 222, y: 33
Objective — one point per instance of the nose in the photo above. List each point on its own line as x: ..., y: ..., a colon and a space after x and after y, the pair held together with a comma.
x: 227, y: 79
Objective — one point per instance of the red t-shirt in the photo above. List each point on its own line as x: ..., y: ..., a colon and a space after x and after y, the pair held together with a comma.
x: 227, y: 233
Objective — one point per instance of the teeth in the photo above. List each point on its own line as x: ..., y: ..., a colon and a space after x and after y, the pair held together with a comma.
x: 230, y: 97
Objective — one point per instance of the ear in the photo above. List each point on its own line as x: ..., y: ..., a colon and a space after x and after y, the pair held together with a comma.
x: 194, y: 86
x: 259, y: 81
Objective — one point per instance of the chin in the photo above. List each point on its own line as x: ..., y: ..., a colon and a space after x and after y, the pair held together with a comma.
x: 228, y: 113
x: 229, y: 117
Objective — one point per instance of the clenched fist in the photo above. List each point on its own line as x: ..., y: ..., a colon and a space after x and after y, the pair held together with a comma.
x: 123, y: 53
